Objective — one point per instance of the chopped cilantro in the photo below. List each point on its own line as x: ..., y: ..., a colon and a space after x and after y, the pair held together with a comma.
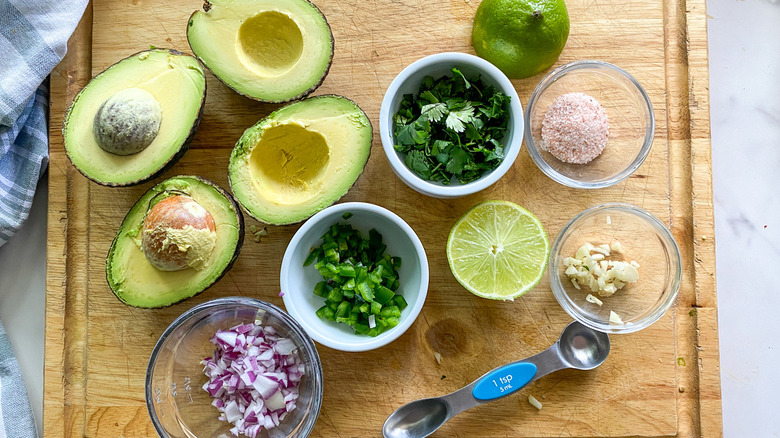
x: 452, y: 128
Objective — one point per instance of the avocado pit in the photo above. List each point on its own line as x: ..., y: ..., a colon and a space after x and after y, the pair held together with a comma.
x: 178, y: 233
x: 127, y: 122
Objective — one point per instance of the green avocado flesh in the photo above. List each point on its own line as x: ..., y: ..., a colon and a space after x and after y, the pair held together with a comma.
x: 137, y: 282
x: 300, y: 159
x: 268, y: 50
x: 136, y: 118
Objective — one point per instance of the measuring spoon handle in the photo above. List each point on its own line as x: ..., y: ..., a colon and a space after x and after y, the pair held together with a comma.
x: 505, y: 380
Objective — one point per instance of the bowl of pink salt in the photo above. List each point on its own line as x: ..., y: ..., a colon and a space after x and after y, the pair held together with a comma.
x: 589, y: 124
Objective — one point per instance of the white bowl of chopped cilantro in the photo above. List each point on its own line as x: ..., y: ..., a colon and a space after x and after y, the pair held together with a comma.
x: 355, y: 276
x: 451, y: 125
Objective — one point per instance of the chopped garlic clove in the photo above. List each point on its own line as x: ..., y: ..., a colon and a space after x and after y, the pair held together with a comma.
x: 591, y: 299
x: 534, y: 402
x: 588, y: 261
x: 581, y: 252
x: 591, y: 268
x: 614, y: 318
x: 629, y: 274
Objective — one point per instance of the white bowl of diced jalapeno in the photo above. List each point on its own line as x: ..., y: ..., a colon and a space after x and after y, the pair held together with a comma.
x: 355, y: 276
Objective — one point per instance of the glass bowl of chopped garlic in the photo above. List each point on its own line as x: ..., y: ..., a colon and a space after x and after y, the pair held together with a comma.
x: 589, y: 124
x: 615, y: 268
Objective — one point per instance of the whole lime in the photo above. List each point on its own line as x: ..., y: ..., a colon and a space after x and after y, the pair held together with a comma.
x: 521, y: 37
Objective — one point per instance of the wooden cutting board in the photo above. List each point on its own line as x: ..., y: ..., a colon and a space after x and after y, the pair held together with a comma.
x: 663, y: 381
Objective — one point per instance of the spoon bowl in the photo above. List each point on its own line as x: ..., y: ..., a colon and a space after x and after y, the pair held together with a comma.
x: 582, y: 348
x: 579, y: 347
x: 417, y: 419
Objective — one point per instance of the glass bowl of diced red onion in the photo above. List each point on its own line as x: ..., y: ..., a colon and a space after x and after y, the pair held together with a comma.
x: 589, y: 124
x: 234, y: 367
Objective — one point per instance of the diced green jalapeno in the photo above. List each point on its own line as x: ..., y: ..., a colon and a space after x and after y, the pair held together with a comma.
x: 346, y: 270
x: 361, y: 280
x: 383, y: 295
x: 400, y: 302
x: 343, y: 309
x: 392, y: 321
x: 312, y: 256
x: 390, y: 311
x: 325, y: 312
x: 365, y: 291
x: 335, y: 296
x: 321, y: 289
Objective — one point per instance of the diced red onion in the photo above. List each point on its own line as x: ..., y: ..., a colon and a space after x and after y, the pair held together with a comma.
x: 253, y: 377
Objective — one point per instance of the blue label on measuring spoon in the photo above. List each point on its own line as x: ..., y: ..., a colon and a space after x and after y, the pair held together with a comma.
x: 504, y: 380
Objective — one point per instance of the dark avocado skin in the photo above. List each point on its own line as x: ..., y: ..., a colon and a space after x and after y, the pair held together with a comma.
x: 207, y: 6
x: 182, y: 150
x: 236, y: 210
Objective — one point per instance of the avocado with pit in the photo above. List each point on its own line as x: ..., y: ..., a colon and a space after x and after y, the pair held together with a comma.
x: 300, y: 159
x: 178, y: 239
x: 135, y: 119
x: 267, y: 50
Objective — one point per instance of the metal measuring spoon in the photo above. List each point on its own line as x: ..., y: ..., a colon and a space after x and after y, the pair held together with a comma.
x: 578, y: 347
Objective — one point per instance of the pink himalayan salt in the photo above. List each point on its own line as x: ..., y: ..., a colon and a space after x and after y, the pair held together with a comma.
x: 575, y: 128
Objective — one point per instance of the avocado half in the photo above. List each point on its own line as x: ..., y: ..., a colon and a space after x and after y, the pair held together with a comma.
x: 136, y: 282
x: 268, y: 50
x: 300, y: 159
x: 172, y: 81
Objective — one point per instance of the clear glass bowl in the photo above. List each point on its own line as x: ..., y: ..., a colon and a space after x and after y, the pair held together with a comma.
x: 177, y: 404
x: 645, y: 240
x: 631, y: 123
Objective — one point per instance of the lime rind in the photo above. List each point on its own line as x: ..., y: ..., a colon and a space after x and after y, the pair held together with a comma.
x: 498, y: 250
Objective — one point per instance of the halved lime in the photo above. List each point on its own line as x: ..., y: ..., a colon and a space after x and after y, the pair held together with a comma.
x: 498, y: 250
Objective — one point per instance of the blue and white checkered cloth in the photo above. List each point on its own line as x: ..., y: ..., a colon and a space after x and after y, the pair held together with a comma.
x: 16, y: 420
x: 33, y: 39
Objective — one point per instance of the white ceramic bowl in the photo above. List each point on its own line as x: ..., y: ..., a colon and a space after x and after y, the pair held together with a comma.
x: 297, y: 282
x: 436, y: 66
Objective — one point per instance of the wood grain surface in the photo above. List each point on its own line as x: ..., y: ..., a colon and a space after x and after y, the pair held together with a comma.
x: 97, y: 348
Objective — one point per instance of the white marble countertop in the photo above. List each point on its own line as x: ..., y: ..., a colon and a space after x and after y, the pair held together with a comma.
x: 744, y: 41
